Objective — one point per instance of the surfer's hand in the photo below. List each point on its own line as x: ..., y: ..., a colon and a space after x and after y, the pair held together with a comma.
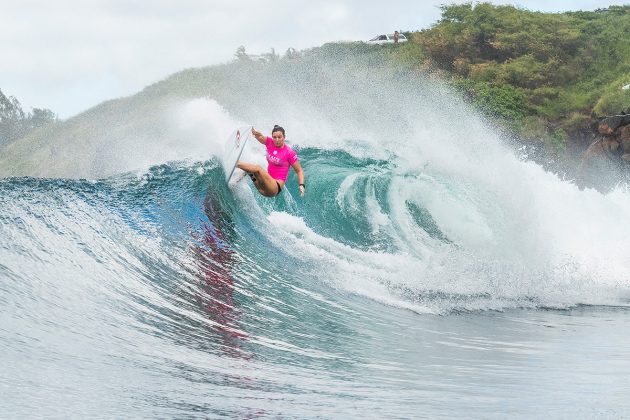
x: 302, y: 190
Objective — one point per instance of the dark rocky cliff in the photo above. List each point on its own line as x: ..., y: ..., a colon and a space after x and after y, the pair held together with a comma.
x: 606, y: 162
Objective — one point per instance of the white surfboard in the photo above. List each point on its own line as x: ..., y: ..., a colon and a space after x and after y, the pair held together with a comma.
x: 233, y: 148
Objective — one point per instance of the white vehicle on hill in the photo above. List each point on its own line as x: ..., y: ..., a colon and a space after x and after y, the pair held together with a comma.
x: 386, y: 39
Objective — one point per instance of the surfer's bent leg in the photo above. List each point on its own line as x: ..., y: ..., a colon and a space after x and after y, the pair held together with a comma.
x: 265, y: 184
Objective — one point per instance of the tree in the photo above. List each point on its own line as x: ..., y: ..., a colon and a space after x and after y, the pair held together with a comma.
x: 11, y: 117
x: 15, y: 123
x: 291, y: 54
x: 10, y: 108
x: 241, y: 55
x: 271, y: 56
x: 40, y: 117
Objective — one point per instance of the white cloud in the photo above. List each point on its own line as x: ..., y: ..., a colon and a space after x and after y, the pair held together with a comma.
x: 71, y: 54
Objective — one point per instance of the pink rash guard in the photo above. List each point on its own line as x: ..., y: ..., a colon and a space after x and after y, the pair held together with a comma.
x: 279, y: 158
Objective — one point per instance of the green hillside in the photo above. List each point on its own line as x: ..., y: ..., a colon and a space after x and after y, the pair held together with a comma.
x: 542, y: 74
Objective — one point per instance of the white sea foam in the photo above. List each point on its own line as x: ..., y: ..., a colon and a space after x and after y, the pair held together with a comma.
x: 514, y: 230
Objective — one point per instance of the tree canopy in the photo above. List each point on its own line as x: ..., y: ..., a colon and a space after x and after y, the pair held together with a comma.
x: 15, y: 123
x: 522, y: 65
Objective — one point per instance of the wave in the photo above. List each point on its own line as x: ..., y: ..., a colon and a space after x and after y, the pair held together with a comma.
x: 173, y: 278
x: 422, y: 240
x: 412, y: 199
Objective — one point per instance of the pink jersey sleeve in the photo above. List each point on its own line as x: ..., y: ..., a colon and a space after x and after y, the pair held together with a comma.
x: 292, y: 157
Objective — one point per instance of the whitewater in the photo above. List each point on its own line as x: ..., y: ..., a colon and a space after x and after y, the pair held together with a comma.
x: 429, y: 272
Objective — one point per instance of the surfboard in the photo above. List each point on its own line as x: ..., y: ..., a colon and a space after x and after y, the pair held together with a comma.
x: 234, y: 146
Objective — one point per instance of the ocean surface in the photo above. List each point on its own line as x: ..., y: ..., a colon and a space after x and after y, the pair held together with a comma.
x: 429, y: 272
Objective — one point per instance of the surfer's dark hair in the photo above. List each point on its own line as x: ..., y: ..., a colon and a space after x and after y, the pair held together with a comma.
x: 278, y: 128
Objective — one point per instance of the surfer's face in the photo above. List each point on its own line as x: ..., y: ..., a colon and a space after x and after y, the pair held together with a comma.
x: 278, y: 138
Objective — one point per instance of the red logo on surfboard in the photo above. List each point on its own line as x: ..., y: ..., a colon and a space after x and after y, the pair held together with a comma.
x: 238, y: 138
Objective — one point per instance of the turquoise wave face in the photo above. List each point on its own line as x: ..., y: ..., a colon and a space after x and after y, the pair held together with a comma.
x: 194, y: 290
x: 367, y: 227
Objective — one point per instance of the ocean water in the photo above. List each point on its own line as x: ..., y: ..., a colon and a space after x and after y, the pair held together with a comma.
x: 429, y: 272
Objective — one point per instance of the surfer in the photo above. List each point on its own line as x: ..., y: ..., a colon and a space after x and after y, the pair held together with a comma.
x: 279, y: 156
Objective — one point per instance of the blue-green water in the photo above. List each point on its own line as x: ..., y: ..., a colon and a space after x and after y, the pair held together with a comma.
x: 167, y: 294
x: 429, y: 272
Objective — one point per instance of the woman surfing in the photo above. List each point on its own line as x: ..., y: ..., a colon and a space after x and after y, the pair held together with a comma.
x: 279, y: 156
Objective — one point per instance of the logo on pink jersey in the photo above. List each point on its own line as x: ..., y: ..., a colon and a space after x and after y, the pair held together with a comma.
x: 279, y: 160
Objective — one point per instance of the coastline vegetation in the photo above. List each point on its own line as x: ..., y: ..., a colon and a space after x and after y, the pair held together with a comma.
x: 544, y: 75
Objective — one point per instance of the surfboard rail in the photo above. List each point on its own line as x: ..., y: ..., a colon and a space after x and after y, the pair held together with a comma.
x: 233, y: 149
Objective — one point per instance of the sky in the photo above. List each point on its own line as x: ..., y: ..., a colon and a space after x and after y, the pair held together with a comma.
x: 69, y: 55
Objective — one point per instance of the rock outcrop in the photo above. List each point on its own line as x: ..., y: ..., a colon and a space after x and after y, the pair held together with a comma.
x: 606, y: 162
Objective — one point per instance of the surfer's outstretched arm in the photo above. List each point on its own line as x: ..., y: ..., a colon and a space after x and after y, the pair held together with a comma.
x: 259, y: 136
